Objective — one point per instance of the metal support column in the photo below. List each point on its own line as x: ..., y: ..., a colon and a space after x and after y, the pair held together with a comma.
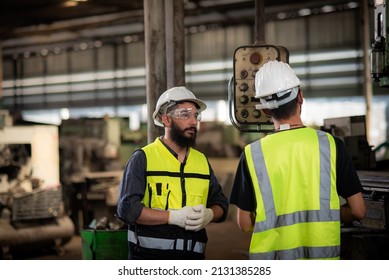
x: 175, y: 43
x: 155, y: 51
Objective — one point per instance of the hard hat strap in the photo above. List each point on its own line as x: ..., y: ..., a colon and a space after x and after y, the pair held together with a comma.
x: 278, y: 99
x: 165, y: 107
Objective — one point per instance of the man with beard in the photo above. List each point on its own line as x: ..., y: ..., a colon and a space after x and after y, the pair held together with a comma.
x: 169, y: 192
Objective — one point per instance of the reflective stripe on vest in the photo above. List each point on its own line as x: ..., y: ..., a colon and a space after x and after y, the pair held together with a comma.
x: 165, y: 244
x: 272, y: 221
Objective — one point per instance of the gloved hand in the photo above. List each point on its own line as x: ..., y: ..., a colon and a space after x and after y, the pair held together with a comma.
x: 180, y: 216
x: 200, y: 218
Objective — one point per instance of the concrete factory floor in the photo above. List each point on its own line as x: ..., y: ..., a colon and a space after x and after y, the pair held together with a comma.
x: 226, y: 242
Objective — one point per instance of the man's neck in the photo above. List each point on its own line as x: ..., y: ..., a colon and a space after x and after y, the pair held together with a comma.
x: 293, y: 122
x: 180, y: 151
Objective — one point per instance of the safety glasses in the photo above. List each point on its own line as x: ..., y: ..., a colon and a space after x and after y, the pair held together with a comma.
x: 185, y: 114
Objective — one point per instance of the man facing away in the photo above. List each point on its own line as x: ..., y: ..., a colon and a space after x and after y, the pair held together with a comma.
x: 288, y: 183
x: 168, y: 192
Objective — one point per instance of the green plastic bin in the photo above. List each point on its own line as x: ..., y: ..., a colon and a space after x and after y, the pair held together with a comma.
x: 104, y: 244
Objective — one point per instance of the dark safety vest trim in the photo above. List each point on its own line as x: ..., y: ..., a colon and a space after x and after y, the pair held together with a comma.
x: 178, y: 174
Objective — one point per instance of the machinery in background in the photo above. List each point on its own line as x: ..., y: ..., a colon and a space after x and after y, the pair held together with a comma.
x: 31, y: 205
x: 89, y: 145
x: 368, y: 238
x: 352, y: 130
x: 96, y: 145
x: 241, y: 90
x: 93, y: 154
x: 379, y: 56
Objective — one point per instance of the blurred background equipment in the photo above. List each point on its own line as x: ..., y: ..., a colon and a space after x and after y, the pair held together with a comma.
x: 352, y: 130
x: 31, y: 204
x: 379, y: 63
x: 369, y: 238
x: 93, y: 153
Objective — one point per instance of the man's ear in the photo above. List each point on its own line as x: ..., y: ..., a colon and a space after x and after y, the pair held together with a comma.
x: 166, y: 120
x: 267, y: 112
x: 300, y: 97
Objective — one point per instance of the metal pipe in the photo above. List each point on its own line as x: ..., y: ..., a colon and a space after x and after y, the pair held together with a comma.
x: 367, y: 85
x: 259, y: 22
x: 61, y: 228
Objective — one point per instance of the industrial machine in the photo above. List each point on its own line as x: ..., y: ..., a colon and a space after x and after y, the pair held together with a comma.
x: 247, y: 60
x: 93, y: 153
x: 352, y: 130
x: 379, y: 57
x: 368, y: 238
x: 31, y: 205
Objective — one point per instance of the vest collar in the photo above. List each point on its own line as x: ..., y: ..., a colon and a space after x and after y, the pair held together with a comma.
x: 171, y: 150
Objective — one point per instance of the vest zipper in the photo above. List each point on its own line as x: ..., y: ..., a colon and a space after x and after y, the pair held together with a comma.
x: 183, y: 189
x: 150, y: 194
x: 167, y: 198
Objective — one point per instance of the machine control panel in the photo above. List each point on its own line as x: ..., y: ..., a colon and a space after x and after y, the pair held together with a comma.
x: 247, y: 61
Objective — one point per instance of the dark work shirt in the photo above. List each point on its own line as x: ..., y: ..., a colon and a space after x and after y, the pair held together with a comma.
x: 347, y: 180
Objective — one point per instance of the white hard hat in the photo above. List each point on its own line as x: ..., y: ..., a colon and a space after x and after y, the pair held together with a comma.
x: 173, y: 96
x: 275, y: 84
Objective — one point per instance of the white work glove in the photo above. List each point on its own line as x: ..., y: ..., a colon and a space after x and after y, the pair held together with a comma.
x: 179, y: 217
x: 200, y: 218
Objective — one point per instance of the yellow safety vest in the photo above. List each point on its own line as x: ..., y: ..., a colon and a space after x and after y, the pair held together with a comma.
x: 172, y: 184
x: 297, y: 214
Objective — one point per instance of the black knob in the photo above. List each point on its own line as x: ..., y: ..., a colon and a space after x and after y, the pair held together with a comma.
x: 243, y: 99
x: 244, y: 113
x: 243, y: 87
x: 244, y: 74
x: 256, y: 113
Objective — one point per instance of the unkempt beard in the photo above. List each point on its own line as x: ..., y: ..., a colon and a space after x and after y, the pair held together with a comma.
x: 179, y: 137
